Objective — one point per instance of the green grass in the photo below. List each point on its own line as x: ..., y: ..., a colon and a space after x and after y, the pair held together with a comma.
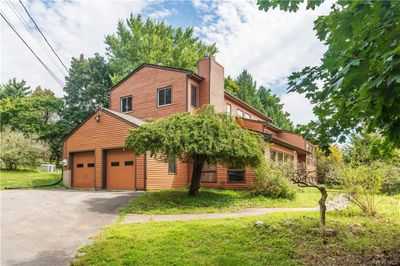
x: 285, y: 239
x: 26, y: 178
x: 212, y: 200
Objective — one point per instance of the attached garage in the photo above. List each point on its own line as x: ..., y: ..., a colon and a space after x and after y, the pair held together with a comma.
x: 83, y: 169
x: 94, y: 157
x: 120, y: 169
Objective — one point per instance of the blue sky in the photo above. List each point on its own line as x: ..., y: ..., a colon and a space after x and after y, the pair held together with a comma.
x: 270, y: 45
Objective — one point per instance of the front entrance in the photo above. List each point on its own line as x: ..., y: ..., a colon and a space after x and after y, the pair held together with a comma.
x: 120, y: 169
x: 83, y: 170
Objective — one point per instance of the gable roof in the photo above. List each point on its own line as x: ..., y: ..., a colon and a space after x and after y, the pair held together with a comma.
x: 123, y: 117
x: 188, y: 73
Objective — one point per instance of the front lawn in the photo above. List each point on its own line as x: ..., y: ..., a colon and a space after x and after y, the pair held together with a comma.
x: 26, y: 178
x: 213, y: 200
x: 284, y: 239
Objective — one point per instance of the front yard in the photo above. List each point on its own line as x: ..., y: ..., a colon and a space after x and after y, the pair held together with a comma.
x: 284, y: 239
x: 26, y: 178
x: 213, y: 200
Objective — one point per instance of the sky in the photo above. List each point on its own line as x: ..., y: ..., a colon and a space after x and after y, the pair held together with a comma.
x: 270, y: 45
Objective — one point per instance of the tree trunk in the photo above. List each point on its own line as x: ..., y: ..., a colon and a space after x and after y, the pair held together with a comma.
x: 322, y: 210
x: 196, y: 175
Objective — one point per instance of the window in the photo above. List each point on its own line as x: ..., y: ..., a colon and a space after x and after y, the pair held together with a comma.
x: 164, y: 96
x: 113, y: 164
x: 126, y: 104
x: 90, y: 165
x: 280, y: 156
x: 272, y: 155
x: 194, y: 96
x: 239, y: 112
x: 228, y: 108
x: 286, y: 157
x: 236, y: 175
x: 171, y: 165
x: 128, y: 163
x: 79, y: 165
x: 209, y: 174
x: 246, y: 115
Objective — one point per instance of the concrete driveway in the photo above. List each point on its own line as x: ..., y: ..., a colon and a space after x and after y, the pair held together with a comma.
x: 45, y: 227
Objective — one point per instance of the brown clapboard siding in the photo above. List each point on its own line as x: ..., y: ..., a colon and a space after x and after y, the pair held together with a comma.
x: 293, y: 138
x: 143, y: 86
x: 108, y: 133
x: 235, y: 105
x: 159, y: 178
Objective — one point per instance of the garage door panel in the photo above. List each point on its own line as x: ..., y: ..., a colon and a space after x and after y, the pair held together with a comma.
x: 120, y: 170
x: 83, y: 170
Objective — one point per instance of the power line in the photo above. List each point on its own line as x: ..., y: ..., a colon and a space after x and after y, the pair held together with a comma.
x: 33, y: 52
x: 34, y: 22
x: 35, y: 36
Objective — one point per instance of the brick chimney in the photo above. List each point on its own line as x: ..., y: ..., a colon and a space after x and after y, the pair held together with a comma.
x: 212, y: 87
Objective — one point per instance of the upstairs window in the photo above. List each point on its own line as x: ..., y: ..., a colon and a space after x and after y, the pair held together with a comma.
x: 194, y: 96
x: 126, y: 104
x: 164, y: 96
x: 272, y: 155
x: 239, y: 112
x: 228, y: 108
x: 246, y: 115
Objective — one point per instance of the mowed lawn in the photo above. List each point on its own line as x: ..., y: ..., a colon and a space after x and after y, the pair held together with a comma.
x: 26, y: 178
x: 213, y: 200
x: 284, y: 239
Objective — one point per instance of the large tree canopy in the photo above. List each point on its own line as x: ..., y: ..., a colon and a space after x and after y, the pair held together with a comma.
x: 137, y: 41
x: 359, y: 73
x: 14, y: 89
x: 203, y: 138
x: 86, y: 87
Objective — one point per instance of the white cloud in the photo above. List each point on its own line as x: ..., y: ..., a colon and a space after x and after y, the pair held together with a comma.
x: 299, y: 108
x: 270, y: 45
x: 162, y: 13
x: 71, y: 27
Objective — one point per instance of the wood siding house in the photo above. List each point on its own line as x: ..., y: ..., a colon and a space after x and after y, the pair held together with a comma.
x: 93, y: 152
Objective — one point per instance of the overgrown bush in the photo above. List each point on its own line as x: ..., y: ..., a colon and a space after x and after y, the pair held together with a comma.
x: 21, y: 150
x: 390, y: 179
x: 363, y: 183
x: 271, y: 182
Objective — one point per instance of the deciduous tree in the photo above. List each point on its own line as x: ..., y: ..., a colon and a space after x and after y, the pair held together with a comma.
x: 203, y: 138
x: 358, y: 82
x: 140, y: 41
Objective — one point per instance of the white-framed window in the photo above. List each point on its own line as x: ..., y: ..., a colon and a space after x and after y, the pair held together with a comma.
x: 247, y: 115
x: 164, y: 96
x: 193, y: 96
x: 228, y: 108
x: 239, y: 112
x: 126, y: 104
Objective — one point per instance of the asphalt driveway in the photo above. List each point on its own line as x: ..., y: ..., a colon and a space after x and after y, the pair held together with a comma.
x: 45, y: 227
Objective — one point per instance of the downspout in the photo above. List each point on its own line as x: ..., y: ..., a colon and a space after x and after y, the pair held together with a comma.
x: 145, y: 172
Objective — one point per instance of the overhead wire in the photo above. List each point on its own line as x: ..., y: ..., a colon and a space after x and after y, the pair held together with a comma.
x: 44, y: 37
x: 35, y: 36
x: 30, y: 49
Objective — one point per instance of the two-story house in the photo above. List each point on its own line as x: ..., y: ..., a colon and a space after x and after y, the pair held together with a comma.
x: 93, y: 153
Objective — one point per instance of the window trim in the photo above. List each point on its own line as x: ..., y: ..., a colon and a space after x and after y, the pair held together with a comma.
x: 120, y: 103
x: 239, y: 110
x: 193, y: 86
x: 236, y: 170
x: 247, y: 115
x: 172, y: 173
x: 158, y: 96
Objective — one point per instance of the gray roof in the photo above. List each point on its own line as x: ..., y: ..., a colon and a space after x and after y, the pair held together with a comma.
x: 129, y: 118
